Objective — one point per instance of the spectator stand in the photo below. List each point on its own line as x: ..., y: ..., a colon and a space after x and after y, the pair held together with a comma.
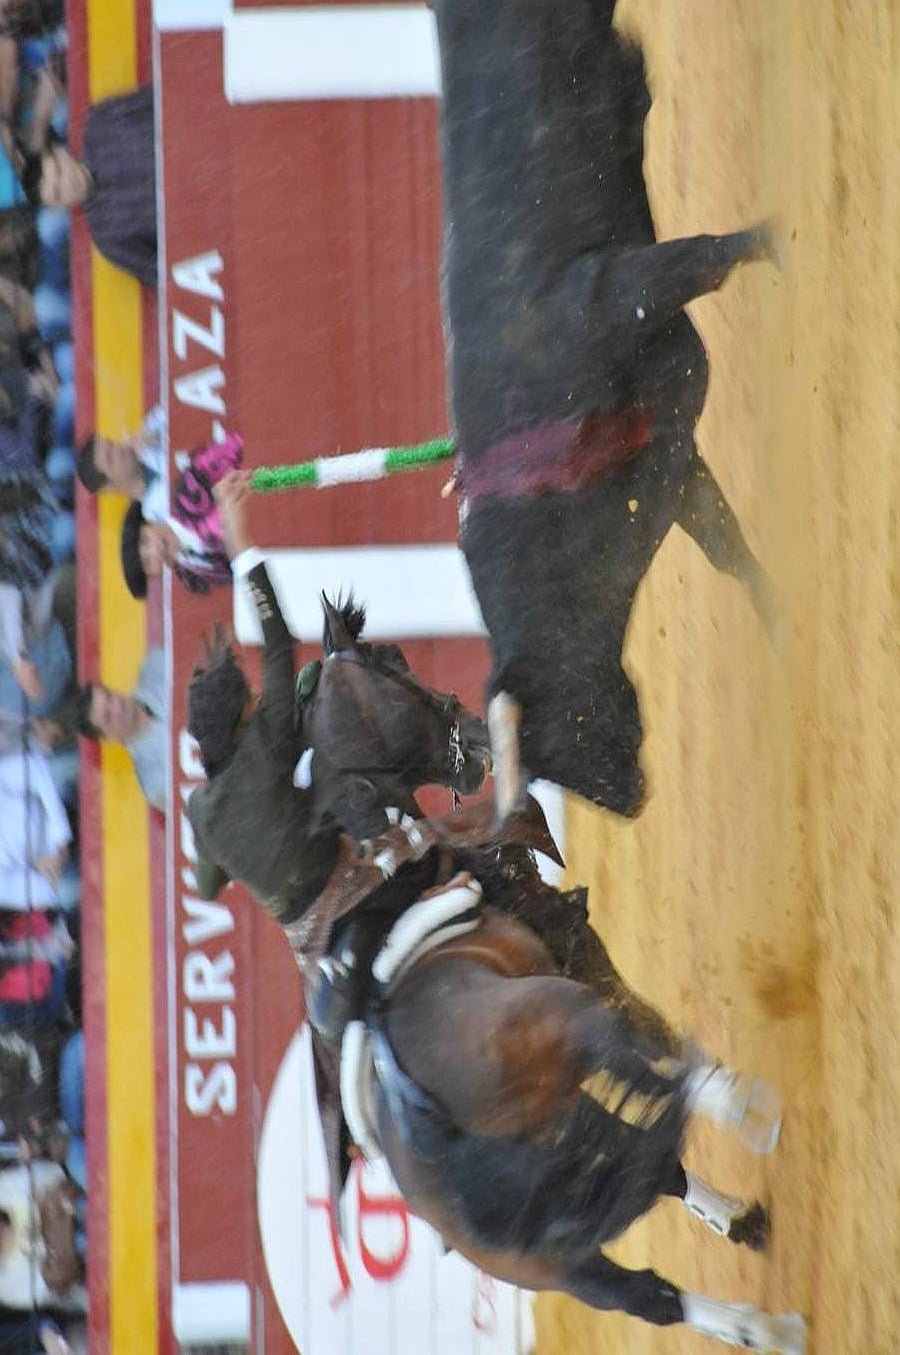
x: 116, y: 377
x: 42, y: 1152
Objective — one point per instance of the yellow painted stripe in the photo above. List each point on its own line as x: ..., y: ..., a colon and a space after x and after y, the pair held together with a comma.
x: 118, y: 395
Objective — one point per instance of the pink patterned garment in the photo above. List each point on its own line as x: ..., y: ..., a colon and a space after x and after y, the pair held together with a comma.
x: 193, y: 504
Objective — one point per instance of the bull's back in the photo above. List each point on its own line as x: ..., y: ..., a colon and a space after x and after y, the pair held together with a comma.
x: 542, y: 142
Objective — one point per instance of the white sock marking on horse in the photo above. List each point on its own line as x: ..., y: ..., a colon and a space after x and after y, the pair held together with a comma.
x: 740, y: 1324
x: 716, y: 1211
x: 748, y: 1105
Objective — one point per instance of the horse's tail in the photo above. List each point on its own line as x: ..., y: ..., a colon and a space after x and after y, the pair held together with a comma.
x: 569, y: 1195
x: 344, y: 622
x: 623, y: 1154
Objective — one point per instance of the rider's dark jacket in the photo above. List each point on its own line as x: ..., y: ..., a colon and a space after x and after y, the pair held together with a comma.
x: 250, y: 822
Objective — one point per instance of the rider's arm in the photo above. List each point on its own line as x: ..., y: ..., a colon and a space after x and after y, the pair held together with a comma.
x: 211, y: 879
x: 276, y: 710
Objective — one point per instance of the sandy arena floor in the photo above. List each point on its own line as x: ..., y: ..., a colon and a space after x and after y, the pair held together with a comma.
x: 756, y: 899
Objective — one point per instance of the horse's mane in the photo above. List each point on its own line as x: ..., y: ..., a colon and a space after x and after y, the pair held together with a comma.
x: 352, y: 615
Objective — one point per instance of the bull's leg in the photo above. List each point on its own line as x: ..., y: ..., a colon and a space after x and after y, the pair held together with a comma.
x: 648, y: 285
x: 504, y: 717
x: 644, y: 1294
x: 706, y: 515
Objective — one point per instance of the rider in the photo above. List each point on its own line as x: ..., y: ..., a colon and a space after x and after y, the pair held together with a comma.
x: 249, y: 818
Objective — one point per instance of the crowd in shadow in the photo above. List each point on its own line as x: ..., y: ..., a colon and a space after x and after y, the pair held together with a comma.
x: 43, y: 1179
x: 44, y: 711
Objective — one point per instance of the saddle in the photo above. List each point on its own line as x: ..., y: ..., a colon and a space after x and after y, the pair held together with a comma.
x: 354, y: 986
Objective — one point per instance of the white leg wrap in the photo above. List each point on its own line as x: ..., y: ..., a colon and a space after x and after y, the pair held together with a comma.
x: 715, y: 1210
x: 746, y: 1104
x: 740, y: 1324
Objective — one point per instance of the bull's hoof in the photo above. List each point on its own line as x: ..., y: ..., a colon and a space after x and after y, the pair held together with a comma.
x: 752, y: 1228
x: 769, y: 243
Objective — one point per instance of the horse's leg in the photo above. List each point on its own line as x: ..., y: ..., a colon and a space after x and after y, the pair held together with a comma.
x: 644, y: 1294
x: 750, y: 1106
x: 724, y: 1214
x: 705, y: 514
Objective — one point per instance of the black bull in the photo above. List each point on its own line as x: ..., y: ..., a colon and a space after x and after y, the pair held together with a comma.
x: 576, y: 377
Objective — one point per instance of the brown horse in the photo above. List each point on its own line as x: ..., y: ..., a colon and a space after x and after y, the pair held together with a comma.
x: 466, y: 1070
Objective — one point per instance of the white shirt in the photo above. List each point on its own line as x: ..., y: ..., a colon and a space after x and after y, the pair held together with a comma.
x: 41, y: 814
x: 24, y: 1248
x: 153, y: 454
x: 149, y: 748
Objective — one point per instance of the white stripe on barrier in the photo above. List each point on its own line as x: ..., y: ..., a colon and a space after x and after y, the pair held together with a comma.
x: 331, y: 52
x: 409, y: 592
x: 204, y: 1314
x: 342, y: 470
x: 190, y: 16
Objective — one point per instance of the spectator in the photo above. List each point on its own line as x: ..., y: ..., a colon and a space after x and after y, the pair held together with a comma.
x: 34, y: 833
x: 34, y: 956
x: 45, y: 1270
x: 114, y: 182
x: 71, y: 1103
x: 139, y: 721
x: 19, y: 245
x: 29, y: 1099
x: 189, y: 539
x: 35, y: 655
x: 135, y: 466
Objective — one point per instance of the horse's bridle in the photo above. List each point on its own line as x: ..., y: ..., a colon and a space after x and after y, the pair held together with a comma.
x: 448, y: 707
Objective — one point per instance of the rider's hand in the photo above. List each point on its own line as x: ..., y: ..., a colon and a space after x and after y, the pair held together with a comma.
x: 232, y: 494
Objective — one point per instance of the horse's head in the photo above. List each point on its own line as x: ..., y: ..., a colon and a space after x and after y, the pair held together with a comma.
x: 378, y: 734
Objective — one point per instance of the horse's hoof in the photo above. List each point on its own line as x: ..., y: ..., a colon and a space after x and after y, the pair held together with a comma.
x: 759, y: 1123
x: 752, y: 1228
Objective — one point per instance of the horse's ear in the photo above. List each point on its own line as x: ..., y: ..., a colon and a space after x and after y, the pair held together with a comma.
x: 343, y: 623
